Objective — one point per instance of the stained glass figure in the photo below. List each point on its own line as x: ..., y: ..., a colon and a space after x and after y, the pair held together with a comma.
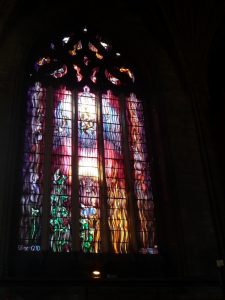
x: 105, y: 45
x: 128, y: 72
x: 65, y: 40
x: 114, y: 171
x: 60, y: 72
x: 60, y: 211
x: 32, y: 187
x: 42, y: 61
x: 88, y: 172
x: 76, y: 47
x: 79, y: 75
x: 93, y: 75
x: 141, y: 175
x: 112, y: 78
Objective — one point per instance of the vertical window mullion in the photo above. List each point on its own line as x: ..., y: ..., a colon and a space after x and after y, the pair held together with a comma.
x: 47, y: 169
x: 128, y: 174
x: 103, y: 187
x: 75, y: 177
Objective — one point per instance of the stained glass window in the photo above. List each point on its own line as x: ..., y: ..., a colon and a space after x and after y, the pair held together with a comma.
x: 61, y: 173
x: 86, y: 176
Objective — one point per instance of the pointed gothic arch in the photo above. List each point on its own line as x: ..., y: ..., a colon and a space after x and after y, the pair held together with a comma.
x: 86, y: 170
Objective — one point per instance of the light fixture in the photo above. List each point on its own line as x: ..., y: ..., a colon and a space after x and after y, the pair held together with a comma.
x: 96, y: 274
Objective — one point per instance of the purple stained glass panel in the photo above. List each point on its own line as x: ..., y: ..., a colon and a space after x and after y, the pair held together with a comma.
x: 32, y: 176
x: 141, y: 175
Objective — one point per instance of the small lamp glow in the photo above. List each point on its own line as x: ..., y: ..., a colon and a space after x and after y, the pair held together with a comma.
x: 96, y: 274
x: 118, y: 54
x: 85, y: 29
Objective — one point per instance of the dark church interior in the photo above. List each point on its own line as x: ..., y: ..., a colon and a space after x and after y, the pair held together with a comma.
x: 177, y: 51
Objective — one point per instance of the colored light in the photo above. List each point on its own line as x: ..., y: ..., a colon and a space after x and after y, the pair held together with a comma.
x: 88, y: 173
x: 106, y: 46
x: 66, y: 39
